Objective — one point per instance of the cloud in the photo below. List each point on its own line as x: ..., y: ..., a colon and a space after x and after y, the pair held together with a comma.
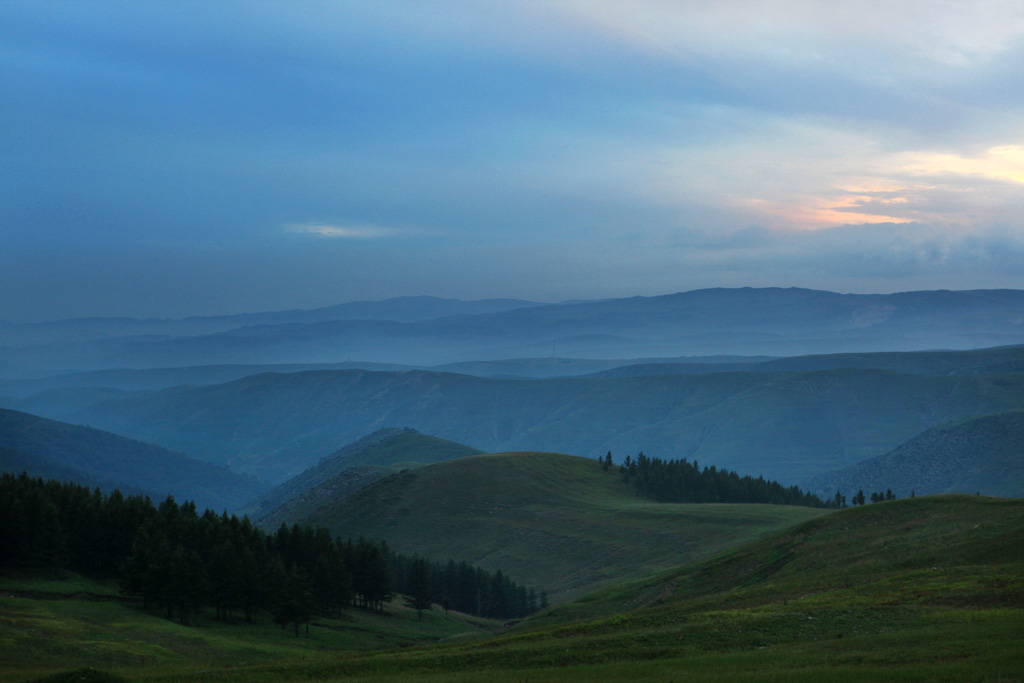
x: 356, y: 231
x: 1004, y: 162
x: 954, y: 33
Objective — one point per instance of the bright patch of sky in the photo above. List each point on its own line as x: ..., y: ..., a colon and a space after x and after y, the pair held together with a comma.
x: 191, y: 158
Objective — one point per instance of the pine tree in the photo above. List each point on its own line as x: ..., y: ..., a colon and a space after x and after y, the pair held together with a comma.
x: 417, y: 588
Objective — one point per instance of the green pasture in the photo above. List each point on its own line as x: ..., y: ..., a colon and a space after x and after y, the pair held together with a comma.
x: 926, y: 589
x: 552, y: 522
x: 48, y: 626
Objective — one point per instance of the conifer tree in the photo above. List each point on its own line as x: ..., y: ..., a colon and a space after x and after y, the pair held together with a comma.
x: 417, y: 588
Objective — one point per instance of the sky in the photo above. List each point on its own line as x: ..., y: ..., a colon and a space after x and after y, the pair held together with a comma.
x: 165, y: 159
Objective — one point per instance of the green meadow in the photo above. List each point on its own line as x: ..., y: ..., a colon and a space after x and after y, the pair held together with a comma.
x: 52, y: 625
x: 552, y: 522
x: 925, y: 589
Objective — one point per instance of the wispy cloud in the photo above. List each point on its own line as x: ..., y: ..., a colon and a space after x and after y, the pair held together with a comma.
x: 350, y: 231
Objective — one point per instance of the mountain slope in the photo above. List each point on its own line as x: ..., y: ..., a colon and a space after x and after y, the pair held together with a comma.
x: 1000, y: 359
x: 553, y: 521
x: 49, y: 448
x: 17, y: 461
x: 350, y: 468
x: 983, y: 454
x: 786, y: 426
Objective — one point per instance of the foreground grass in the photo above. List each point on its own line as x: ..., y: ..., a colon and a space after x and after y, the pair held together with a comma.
x: 50, y: 626
x: 888, y: 644
x: 914, y: 590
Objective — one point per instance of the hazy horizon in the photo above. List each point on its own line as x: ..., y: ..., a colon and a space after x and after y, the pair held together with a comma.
x: 498, y: 298
x: 166, y: 160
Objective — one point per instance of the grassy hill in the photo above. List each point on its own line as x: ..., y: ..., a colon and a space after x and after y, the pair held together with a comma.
x: 48, y: 448
x: 555, y: 522
x: 787, y: 425
x: 924, y: 589
x: 351, y: 468
x: 913, y: 551
x: 913, y: 590
x: 983, y: 454
x: 48, y: 626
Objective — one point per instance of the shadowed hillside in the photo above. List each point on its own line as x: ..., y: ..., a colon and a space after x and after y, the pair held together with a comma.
x: 351, y: 468
x: 972, y: 362
x: 47, y: 448
x: 786, y: 426
x: 984, y: 454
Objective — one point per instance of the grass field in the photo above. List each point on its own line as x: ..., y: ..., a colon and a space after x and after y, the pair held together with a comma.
x: 925, y: 589
x: 552, y: 522
x: 48, y: 626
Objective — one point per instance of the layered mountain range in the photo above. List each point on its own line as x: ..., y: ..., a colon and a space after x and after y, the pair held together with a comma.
x: 787, y: 417
x: 776, y: 322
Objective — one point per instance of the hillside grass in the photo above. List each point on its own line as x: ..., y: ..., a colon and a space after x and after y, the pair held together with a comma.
x: 553, y: 522
x: 48, y: 626
x: 925, y: 589
x: 951, y: 551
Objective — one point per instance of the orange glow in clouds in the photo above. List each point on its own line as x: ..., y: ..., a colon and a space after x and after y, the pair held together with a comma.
x: 888, y: 201
x: 813, y: 213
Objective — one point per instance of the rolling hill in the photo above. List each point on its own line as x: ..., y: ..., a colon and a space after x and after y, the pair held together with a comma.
x: 918, y: 548
x: 47, y: 448
x: 978, y: 455
x: 924, y: 589
x: 349, y: 469
x: 555, y: 522
x: 787, y: 426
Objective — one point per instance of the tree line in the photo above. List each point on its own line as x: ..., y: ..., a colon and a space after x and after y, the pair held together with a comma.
x: 179, y: 561
x: 859, y: 499
x: 464, y: 588
x: 682, y: 481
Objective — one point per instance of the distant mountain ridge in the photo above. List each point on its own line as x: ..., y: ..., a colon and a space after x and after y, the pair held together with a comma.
x: 48, y: 448
x: 949, y: 363
x: 769, y: 321
x: 398, y: 309
x: 787, y: 426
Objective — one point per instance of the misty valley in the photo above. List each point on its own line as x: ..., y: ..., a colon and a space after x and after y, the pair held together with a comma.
x: 720, y: 484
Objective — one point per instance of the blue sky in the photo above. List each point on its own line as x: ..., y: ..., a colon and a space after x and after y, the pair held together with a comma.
x: 177, y: 158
